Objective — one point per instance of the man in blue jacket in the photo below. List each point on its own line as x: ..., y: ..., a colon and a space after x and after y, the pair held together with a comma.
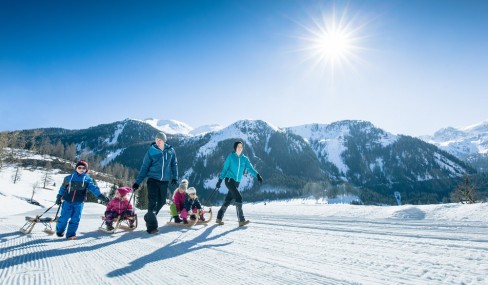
x: 234, y: 167
x: 73, y: 191
x: 160, y: 166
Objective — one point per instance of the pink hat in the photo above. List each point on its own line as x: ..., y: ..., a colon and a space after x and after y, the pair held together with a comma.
x: 124, y: 190
x: 83, y: 163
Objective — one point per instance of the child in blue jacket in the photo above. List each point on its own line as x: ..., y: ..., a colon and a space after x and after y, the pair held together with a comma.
x: 73, y: 191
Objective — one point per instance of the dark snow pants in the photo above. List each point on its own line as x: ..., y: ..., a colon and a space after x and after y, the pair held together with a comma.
x: 235, y: 195
x: 156, y: 197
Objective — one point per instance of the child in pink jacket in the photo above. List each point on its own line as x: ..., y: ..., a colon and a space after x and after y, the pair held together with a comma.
x: 179, y: 201
x: 119, y: 205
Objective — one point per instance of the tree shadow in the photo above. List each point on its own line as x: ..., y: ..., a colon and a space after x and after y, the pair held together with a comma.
x: 175, y: 248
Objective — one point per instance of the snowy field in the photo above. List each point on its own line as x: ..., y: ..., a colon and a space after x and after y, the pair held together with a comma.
x: 286, y: 243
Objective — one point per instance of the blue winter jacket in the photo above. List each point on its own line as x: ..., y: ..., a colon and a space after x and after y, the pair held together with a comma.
x: 75, y: 186
x: 235, y: 165
x: 159, y: 164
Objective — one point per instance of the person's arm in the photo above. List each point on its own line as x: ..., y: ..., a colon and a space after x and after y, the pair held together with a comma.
x: 92, y: 187
x: 197, y: 204
x: 225, y: 168
x: 63, y: 186
x: 250, y: 168
x: 146, y: 164
x: 174, y: 165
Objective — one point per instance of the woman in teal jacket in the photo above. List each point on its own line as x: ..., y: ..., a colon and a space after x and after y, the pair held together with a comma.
x: 234, y: 167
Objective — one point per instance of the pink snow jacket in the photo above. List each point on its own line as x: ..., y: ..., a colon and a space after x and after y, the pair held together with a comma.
x: 118, y: 205
x: 179, y: 200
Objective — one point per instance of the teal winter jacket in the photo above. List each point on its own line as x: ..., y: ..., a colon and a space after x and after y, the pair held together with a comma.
x: 159, y: 164
x: 235, y: 165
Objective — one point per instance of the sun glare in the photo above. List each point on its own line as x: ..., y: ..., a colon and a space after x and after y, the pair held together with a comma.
x: 332, y: 41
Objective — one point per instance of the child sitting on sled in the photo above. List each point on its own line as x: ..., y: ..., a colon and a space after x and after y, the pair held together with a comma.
x: 119, y: 206
x: 192, y: 206
x: 178, y: 201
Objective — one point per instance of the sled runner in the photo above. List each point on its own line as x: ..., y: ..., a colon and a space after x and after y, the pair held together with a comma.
x: 32, y: 221
x: 206, y: 214
x: 122, y: 222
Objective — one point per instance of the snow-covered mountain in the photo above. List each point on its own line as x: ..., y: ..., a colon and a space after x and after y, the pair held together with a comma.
x: 175, y: 127
x: 169, y: 126
x: 469, y: 144
x: 468, y: 141
x: 352, y: 152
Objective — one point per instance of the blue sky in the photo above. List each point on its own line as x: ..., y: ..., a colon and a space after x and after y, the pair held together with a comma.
x: 412, y: 67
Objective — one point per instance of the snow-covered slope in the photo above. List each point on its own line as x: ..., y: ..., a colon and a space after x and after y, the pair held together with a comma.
x: 206, y: 129
x: 285, y: 243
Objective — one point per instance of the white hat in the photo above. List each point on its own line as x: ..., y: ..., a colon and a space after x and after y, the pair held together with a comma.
x: 191, y: 190
x: 183, y: 184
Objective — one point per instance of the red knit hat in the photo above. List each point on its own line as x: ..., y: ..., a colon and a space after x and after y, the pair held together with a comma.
x: 124, y: 190
x: 84, y: 163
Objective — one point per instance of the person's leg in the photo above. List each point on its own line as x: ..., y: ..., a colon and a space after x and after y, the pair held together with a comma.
x: 109, y: 218
x: 152, y: 197
x: 161, y: 196
x: 75, y: 219
x: 228, y: 198
x: 63, y: 218
x: 232, y: 186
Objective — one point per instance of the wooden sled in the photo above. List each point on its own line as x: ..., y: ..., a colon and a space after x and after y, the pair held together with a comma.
x: 206, y: 214
x: 32, y: 221
x: 120, y: 223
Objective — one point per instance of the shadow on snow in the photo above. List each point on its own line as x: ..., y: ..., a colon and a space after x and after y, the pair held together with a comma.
x: 175, y: 248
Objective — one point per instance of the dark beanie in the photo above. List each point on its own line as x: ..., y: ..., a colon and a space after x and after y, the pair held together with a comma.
x: 161, y: 136
x: 236, y: 144
x: 84, y: 163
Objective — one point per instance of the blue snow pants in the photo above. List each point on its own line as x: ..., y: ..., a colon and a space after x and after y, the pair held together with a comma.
x: 71, y: 211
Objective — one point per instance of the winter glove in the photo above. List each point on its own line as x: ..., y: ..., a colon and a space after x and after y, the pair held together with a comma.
x: 58, y: 199
x: 104, y: 199
x: 218, y: 184
x: 260, y: 179
x: 135, y: 186
x: 174, y: 181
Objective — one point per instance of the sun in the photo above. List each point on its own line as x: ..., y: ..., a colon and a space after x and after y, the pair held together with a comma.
x: 332, y: 40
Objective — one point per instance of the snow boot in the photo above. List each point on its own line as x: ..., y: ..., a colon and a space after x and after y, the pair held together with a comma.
x: 185, y: 221
x: 110, y: 228
x: 202, y: 218
x: 193, y: 217
x: 153, y: 232
x: 243, y: 223
x: 177, y: 219
x: 60, y: 234
x: 219, y: 222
